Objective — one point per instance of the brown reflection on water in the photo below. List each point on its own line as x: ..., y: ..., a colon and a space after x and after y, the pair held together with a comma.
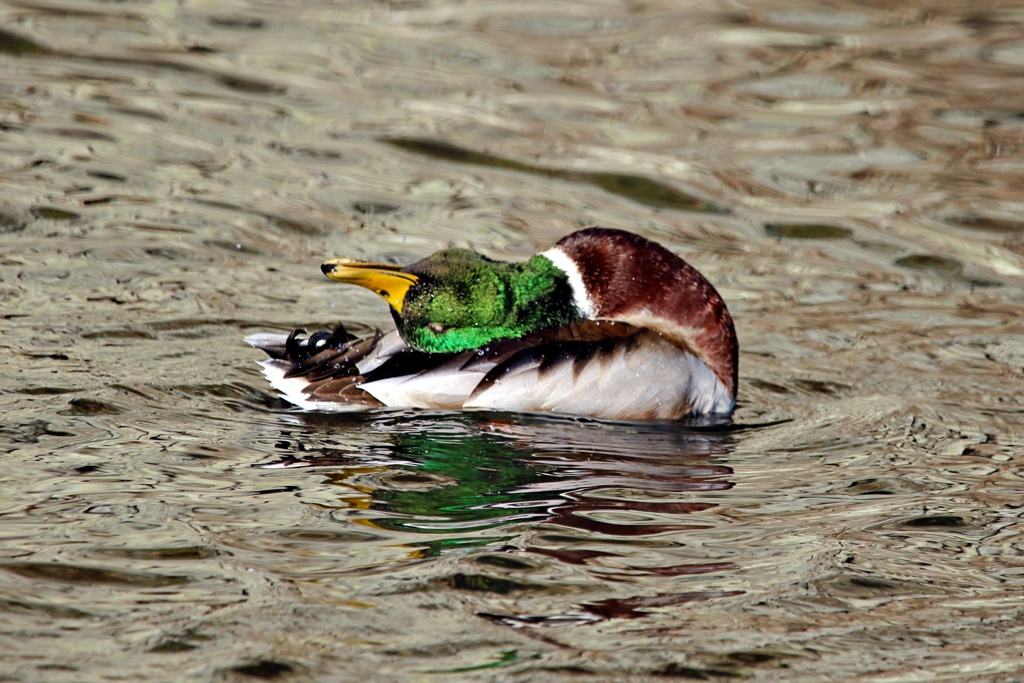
x: 528, y: 496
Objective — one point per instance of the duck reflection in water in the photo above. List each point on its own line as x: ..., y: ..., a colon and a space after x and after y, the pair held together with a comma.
x: 582, y: 492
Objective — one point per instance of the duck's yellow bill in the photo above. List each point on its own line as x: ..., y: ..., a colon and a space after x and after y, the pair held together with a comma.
x: 388, y: 281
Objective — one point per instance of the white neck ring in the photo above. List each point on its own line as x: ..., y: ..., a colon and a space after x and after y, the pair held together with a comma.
x: 580, y: 295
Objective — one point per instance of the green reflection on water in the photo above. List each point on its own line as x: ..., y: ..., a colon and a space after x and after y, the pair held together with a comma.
x: 486, y: 484
x: 447, y: 480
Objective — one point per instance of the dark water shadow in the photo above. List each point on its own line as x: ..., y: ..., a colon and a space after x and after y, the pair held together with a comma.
x: 637, y: 188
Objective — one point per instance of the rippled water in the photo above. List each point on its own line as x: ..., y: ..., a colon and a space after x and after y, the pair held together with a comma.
x: 849, y: 175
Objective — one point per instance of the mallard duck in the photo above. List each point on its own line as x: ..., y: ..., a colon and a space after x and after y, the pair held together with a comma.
x: 604, y: 324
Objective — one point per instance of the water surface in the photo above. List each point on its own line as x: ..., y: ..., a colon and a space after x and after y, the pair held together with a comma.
x: 848, y: 175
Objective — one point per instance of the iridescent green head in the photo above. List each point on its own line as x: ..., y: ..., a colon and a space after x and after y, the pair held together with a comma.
x: 457, y: 299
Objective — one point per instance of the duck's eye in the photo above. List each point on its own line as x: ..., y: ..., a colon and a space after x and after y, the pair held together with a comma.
x: 436, y: 328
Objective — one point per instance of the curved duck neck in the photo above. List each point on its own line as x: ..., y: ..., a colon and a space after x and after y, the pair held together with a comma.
x: 542, y: 296
x: 633, y: 280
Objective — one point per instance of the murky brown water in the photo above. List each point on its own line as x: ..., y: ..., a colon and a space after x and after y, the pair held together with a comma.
x: 849, y: 175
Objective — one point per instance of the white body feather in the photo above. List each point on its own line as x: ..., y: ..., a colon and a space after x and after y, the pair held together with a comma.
x: 651, y: 379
